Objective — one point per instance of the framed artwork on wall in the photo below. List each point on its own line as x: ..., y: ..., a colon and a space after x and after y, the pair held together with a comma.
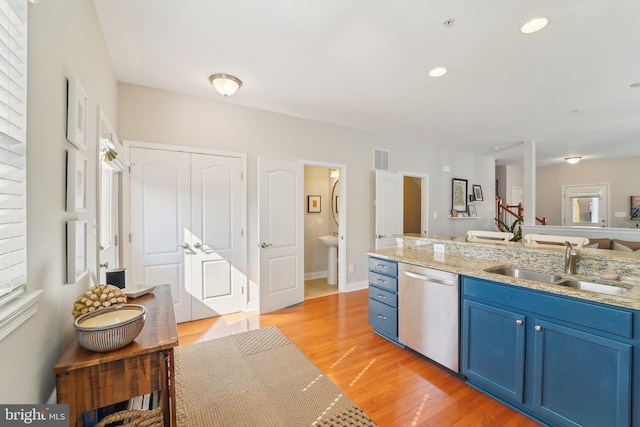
x: 477, y: 193
x: 472, y: 211
x: 76, y: 114
x: 76, y: 182
x: 76, y: 251
x: 459, y: 195
x: 313, y: 204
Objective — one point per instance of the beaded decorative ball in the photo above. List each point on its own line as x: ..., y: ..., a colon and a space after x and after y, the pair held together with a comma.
x: 96, y: 298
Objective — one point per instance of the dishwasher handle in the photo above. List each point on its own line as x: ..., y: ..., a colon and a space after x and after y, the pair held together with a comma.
x: 428, y: 279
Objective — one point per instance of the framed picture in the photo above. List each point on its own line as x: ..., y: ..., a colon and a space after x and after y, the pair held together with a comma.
x: 76, y: 182
x: 459, y: 195
x: 76, y: 251
x: 313, y: 204
x: 477, y: 193
x: 472, y: 210
x: 76, y: 114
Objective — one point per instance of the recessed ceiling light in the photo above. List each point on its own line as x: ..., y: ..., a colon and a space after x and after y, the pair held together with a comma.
x: 534, y: 25
x: 636, y: 84
x: 438, y: 72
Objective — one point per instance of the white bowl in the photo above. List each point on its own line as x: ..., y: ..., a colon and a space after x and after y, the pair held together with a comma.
x: 110, y: 328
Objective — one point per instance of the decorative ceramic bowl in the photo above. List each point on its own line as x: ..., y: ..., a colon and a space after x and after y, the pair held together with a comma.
x: 110, y: 328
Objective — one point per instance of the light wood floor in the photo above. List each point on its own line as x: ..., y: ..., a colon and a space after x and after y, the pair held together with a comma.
x: 314, y: 288
x: 395, y: 387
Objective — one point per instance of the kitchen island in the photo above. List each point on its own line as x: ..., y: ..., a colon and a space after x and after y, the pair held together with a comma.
x: 561, y: 355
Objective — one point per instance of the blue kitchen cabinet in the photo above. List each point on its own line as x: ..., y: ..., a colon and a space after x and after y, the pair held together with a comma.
x: 564, y: 361
x: 493, y: 349
x: 383, y: 297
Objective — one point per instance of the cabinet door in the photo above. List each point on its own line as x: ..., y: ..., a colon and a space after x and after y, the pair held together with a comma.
x: 581, y: 379
x: 493, y: 349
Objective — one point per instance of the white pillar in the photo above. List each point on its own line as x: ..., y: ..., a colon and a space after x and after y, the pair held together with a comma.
x: 529, y: 199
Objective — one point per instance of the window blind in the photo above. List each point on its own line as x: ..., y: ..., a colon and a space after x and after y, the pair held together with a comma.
x: 13, y: 130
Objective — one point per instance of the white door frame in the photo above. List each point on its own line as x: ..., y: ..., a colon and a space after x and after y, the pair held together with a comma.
x: 126, y: 204
x: 424, y: 190
x: 342, y: 218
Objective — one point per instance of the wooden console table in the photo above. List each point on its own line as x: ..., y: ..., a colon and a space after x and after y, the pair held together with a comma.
x: 86, y: 380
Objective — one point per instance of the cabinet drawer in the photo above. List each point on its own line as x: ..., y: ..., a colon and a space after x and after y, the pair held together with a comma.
x: 382, y: 295
x: 382, y: 281
x: 383, y: 318
x: 383, y: 266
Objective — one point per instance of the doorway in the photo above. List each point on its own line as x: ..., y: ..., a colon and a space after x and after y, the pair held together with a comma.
x: 585, y: 205
x: 321, y: 230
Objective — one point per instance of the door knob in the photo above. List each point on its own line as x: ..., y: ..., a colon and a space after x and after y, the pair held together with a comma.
x: 104, y: 265
x: 265, y: 245
x: 197, y: 245
x: 380, y: 236
x: 184, y: 246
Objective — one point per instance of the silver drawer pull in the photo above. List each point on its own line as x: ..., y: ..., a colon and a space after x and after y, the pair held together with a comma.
x: 382, y: 296
x: 538, y: 328
x: 519, y: 322
x: 382, y: 266
x: 382, y: 281
x: 380, y: 316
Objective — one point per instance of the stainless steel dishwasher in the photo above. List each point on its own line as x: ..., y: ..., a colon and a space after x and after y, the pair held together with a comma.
x: 428, y: 313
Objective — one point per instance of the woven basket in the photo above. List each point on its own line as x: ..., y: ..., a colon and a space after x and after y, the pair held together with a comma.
x: 137, y: 418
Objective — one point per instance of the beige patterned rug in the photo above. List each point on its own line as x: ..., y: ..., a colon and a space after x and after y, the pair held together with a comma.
x: 257, y: 378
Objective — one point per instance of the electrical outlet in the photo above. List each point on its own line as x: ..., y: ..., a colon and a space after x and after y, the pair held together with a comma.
x: 438, y: 248
x: 351, y: 269
x: 435, y: 215
x: 319, y: 221
x: 621, y: 214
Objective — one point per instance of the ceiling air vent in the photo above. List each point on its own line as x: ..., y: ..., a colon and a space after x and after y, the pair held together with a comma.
x: 380, y: 159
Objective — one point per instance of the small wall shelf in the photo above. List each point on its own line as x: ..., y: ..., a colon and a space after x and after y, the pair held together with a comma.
x: 465, y: 217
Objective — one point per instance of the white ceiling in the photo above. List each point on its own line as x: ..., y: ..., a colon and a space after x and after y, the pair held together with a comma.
x: 364, y: 63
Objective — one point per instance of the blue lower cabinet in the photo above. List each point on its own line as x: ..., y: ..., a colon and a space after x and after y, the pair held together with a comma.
x: 493, y: 349
x: 527, y: 349
x: 383, y: 297
x: 581, y: 379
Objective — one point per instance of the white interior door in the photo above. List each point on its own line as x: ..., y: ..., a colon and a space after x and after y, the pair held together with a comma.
x: 108, y: 227
x: 216, y: 268
x: 160, y: 205
x: 281, y: 234
x: 388, y: 208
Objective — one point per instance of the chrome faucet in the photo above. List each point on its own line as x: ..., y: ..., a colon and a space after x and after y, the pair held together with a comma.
x: 570, y: 257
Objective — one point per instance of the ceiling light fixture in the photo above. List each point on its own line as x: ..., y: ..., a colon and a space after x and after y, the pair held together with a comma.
x: 225, y: 84
x: 572, y: 160
x: 438, y: 72
x: 534, y: 25
x: 636, y: 84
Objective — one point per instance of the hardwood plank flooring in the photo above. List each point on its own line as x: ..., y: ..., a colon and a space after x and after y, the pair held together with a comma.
x: 395, y: 387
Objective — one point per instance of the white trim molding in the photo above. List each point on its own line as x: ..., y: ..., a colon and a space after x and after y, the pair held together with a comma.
x: 18, y: 311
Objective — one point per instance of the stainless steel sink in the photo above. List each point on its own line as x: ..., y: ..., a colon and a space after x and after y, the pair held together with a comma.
x: 593, y: 287
x: 519, y: 273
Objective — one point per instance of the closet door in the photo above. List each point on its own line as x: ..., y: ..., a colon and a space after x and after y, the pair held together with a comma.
x: 215, y: 270
x: 160, y: 217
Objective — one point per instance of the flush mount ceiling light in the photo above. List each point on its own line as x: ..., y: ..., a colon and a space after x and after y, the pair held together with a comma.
x: 438, y: 72
x: 636, y: 84
x: 225, y: 84
x: 572, y: 160
x: 534, y: 25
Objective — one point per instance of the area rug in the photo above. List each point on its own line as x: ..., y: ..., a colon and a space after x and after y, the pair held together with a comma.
x: 257, y: 378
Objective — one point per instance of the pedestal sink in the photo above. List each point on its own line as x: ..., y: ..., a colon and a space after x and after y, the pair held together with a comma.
x: 331, y: 242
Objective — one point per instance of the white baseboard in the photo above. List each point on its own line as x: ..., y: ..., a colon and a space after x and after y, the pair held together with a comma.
x: 315, y: 275
x: 357, y: 286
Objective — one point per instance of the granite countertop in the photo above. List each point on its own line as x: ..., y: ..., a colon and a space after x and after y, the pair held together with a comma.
x: 474, y: 267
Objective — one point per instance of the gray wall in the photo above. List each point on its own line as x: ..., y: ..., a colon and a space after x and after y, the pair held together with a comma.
x: 64, y: 39
x: 152, y: 115
x: 621, y: 174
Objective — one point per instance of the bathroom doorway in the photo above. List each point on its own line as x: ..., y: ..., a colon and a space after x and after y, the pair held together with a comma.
x: 322, y: 230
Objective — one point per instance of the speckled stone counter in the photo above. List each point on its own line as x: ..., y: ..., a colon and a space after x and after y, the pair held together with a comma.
x: 472, y: 259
